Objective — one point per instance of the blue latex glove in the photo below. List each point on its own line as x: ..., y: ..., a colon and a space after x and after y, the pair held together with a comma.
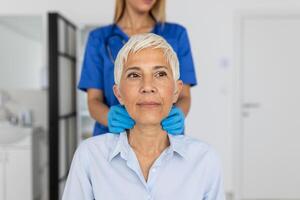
x: 174, y: 123
x: 119, y: 119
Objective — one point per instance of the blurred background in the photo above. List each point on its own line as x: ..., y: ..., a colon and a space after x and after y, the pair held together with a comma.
x: 246, y: 103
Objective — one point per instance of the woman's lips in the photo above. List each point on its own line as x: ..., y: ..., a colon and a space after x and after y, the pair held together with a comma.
x: 149, y: 104
x: 149, y: 2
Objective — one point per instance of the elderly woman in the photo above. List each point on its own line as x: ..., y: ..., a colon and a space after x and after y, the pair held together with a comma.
x: 145, y: 162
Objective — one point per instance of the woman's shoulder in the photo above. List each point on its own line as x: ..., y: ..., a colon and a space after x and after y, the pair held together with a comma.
x: 101, y: 31
x: 101, y: 144
x: 172, y: 28
x: 106, y: 138
x: 196, y: 148
x: 173, y: 25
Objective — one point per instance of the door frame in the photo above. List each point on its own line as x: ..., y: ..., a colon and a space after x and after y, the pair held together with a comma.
x: 53, y: 100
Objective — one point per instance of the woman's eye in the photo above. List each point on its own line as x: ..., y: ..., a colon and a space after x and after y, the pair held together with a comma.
x: 133, y: 75
x: 161, y: 74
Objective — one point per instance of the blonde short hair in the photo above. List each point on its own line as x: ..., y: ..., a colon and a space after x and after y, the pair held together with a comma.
x: 158, y: 11
x: 142, y: 41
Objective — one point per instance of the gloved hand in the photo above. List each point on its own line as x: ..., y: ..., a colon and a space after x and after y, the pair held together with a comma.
x: 119, y: 119
x: 174, y: 123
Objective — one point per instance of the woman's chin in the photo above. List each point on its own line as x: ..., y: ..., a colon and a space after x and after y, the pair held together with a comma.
x: 148, y: 121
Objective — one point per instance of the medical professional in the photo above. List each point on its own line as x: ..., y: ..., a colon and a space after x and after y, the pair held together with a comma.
x: 97, y: 77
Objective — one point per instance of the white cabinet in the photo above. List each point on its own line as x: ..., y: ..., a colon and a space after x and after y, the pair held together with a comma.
x: 16, y: 168
x: 18, y: 171
x: 15, y: 173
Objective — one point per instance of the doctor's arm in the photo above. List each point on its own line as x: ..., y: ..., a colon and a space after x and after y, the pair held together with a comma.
x: 187, y: 72
x: 97, y: 108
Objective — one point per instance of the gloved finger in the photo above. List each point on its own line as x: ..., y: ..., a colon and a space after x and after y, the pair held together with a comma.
x: 171, y: 115
x: 121, y: 111
x: 116, y: 129
x: 117, y: 113
x: 175, y: 131
x: 173, y: 112
x: 123, y: 120
x: 172, y: 120
x: 175, y: 126
x: 122, y: 125
x: 179, y: 123
x: 178, y: 129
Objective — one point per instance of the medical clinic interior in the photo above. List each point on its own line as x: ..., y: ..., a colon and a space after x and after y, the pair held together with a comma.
x: 246, y: 56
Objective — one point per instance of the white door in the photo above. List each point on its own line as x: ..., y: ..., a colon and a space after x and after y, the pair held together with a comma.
x: 18, y: 169
x: 270, y: 93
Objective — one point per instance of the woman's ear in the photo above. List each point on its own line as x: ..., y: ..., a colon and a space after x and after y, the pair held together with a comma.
x: 117, y: 93
x: 178, y: 88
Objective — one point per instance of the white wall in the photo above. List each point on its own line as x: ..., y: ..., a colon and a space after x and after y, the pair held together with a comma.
x: 20, y: 60
x: 211, y: 29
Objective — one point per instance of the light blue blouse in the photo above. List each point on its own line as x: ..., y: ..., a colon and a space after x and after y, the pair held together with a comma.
x: 105, y: 167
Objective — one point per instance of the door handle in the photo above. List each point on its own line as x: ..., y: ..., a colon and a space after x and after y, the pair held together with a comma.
x: 251, y: 105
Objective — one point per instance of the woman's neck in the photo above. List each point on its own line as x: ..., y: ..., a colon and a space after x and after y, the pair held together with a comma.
x: 133, y: 22
x: 148, y: 140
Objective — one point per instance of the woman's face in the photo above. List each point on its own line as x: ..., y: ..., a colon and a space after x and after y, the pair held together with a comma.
x: 147, y: 87
x: 141, y: 5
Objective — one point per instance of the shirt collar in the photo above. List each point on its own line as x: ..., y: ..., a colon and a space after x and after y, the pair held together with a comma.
x: 121, y: 147
x: 177, y: 144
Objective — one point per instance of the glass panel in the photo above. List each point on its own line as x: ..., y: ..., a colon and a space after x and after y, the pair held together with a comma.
x: 72, y: 138
x: 71, y: 41
x: 82, y: 98
x: 62, y: 149
x: 87, y: 126
x: 61, y: 36
x: 66, y: 86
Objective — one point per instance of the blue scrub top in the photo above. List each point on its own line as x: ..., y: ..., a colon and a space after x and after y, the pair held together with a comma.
x: 103, y: 46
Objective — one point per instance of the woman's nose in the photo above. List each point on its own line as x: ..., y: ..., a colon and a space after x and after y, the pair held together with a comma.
x: 148, y: 86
